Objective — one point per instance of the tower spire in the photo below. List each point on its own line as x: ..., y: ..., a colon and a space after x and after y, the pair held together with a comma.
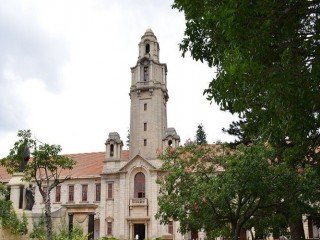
x: 149, y: 96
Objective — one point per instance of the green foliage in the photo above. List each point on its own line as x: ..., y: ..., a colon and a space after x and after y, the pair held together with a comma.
x: 267, y: 59
x: 8, y: 218
x: 266, y: 54
x: 39, y: 230
x: 44, y: 169
x: 44, y: 156
x: 76, y: 234
x: 229, y: 187
x: 201, y: 136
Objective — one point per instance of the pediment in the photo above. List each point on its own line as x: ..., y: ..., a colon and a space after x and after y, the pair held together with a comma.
x: 136, y: 162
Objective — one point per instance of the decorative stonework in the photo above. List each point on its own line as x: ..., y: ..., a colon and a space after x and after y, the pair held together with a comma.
x: 171, y: 139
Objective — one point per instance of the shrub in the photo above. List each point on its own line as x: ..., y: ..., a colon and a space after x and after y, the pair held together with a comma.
x: 39, y: 231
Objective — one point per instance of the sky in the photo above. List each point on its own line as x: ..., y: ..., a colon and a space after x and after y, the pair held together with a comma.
x: 65, y: 72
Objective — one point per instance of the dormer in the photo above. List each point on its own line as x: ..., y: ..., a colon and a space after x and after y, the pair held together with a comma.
x: 113, y: 146
x: 171, y: 139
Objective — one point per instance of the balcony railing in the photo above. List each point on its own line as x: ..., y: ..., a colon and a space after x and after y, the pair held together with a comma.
x: 144, y: 83
x: 138, y: 202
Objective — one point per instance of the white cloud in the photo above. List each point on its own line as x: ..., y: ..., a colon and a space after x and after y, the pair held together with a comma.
x: 71, y: 65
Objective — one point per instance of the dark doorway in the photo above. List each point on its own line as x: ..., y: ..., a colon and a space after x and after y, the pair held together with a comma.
x: 194, y: 235
x: 21, y: 198
x: 91, y: 227
x: 243, y: 234
x: 70, y: 223
x: 139, y: 229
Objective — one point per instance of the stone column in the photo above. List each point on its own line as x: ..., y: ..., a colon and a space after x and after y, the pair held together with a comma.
x: 15, y: 183
x: 139, y: 73
x: 153, y: 205
x: 102, y: 215
x: 130, y: 231
x: 119, y: 152
x: 163, y: 76
x: 151, y: 72
x: 123, y: 204
x: 146, y: 230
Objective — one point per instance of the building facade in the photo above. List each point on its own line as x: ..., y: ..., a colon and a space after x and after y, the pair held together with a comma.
x: 129, y: 185
x: 114, y: 193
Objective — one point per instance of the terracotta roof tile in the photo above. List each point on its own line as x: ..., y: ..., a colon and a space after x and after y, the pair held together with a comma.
x: 87, y: 165
x: 4, y: 176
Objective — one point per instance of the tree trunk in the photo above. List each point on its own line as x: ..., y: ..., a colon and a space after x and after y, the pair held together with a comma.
x: 296, y: 229
x: 48, y: 216
x: 235, y: 231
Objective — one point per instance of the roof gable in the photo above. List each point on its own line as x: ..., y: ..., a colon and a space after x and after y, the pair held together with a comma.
x: 137, y: 161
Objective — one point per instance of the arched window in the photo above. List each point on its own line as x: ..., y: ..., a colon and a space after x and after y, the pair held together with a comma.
x: 139, y: 185
x: 170, y: 143
x: 147, y: 48
x: 111, y: 150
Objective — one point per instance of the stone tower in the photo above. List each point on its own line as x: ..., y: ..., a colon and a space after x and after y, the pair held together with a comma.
x: 149, y: 96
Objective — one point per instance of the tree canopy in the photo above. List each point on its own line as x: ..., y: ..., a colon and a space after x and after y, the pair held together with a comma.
x: 268, y: 69
x: 266, y: 55
x: 231, y: 187
x: 45, y: 167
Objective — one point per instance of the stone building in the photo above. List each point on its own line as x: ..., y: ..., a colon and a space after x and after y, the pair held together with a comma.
x: 114, y: 193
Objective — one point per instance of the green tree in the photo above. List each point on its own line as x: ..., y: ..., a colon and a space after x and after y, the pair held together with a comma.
x: 268, y: 62
x: 201, y: 136
x: 229, y: 187
x: 267, y: 58
x: 45, y: 168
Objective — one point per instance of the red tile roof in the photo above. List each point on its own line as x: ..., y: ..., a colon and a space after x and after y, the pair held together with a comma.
x: 4, y: 176
x: 87, y: 165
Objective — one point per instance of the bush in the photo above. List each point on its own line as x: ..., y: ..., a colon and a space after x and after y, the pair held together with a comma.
x: 8, y: 218
x: 76, y: 234
x: 39, y: 231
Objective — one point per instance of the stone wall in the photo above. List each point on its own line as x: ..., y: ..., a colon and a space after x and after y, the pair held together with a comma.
x: 5, y: 235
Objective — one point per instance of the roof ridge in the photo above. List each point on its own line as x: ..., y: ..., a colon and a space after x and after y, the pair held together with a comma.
x: 82, y: 153
x: 67, y: 154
